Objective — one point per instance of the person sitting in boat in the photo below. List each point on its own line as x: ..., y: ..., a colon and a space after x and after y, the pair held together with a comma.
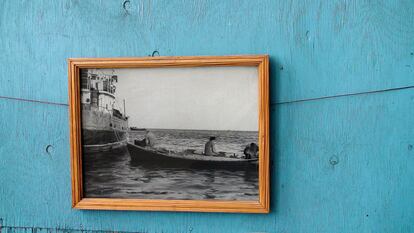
x: 251, y: 150
x: 210, y: 147
x: 149, y: 139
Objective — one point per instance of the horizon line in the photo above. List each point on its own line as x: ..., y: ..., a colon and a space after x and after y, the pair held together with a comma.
x: 193, y: 129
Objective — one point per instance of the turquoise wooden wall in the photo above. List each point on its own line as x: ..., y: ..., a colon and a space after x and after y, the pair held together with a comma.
x: 342, y: 107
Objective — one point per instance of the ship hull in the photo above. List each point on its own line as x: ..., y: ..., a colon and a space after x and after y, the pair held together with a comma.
x: 102, y: 131
x: 98, y: 137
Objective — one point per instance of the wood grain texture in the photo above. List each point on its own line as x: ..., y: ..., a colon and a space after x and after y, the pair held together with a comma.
x: 339, y: 165
x: 75, y: 133
x: 350, y: 46
x: 346, y: 159
x: 79, y: 202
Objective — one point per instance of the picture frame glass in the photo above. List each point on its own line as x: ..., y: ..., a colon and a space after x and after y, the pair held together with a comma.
x: 170, y: 133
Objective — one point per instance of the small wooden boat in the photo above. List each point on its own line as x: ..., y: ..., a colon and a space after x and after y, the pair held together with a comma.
x: 164, y: 158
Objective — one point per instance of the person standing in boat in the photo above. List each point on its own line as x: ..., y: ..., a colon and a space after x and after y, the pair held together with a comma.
x: 210, y: 147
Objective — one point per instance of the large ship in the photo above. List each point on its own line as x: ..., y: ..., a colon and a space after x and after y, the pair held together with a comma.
x: 104, y: 125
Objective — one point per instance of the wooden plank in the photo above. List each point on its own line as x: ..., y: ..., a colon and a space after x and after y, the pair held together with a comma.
x: 317, y: 48
x: 340, y: 165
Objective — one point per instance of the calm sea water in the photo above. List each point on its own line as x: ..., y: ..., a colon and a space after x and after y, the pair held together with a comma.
x: 113, y: 174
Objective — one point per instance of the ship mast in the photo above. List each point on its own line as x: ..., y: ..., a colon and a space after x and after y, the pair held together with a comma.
x: 124, y: 109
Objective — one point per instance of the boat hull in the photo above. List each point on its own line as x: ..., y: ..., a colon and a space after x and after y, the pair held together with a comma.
x: 148, y: 157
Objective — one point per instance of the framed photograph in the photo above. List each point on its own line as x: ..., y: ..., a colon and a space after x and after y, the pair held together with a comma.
x: 170, y: 133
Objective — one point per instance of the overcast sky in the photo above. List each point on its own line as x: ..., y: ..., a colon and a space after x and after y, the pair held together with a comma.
x: 206, y: 98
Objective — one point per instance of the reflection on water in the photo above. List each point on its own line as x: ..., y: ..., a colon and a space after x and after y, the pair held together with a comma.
x: 113, y: 174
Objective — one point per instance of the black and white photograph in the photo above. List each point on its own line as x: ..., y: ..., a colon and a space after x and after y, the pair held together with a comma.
x: 176, y: 133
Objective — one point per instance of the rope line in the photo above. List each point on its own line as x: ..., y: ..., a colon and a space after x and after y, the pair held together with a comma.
x: 33, y: 101
x: 277, y: 103
x: 343, y: 95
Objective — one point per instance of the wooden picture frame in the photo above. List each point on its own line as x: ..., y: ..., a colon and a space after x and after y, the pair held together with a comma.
x: 81, y: 202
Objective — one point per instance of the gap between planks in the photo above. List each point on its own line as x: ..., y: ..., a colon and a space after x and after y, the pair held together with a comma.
x: 52, y: 229
x: 271, y: 104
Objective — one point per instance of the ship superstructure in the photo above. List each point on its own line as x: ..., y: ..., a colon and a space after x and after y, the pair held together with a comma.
x: 104, y: 125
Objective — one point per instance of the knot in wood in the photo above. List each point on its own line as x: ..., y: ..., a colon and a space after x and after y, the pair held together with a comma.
x: 334, y: 160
